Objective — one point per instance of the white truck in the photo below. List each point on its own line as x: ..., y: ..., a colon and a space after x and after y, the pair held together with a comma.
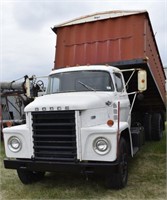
x: 91, y: 118
x: 83, y: 122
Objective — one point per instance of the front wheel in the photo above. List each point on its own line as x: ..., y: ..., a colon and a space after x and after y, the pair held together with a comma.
x: 28, y: 177
x: 119, y: 179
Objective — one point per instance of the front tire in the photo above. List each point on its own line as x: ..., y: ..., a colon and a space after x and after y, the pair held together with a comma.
x: 28, y: 177
x: 119, y: 179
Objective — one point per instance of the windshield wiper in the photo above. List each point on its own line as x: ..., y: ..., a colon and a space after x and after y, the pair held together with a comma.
x: 86, y: 86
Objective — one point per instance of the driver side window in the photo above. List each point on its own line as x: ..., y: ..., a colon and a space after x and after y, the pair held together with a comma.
x: 118, y: 82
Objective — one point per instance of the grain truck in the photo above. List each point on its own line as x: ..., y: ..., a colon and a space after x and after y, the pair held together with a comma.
x: 105, y: 96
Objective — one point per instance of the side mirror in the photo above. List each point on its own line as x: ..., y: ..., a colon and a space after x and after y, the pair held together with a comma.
x: 142, y: 80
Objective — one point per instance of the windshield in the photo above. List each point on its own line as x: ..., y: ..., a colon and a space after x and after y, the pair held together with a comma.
x: 77, y: 81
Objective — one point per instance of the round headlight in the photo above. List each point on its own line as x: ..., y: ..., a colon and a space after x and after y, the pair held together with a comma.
x: 101, y: 146
x: 14, y: 144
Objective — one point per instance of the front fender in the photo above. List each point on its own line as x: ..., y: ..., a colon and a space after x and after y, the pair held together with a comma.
x: 23, y: 133
x: 90, y: 134
x: 122, y: 126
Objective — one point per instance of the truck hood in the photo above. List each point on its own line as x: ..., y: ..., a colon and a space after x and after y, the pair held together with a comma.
x: 70, y: 101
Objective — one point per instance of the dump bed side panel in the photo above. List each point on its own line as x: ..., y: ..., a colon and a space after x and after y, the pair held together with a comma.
x: 102, y: 41
x: 126, y: 41
x: 154, y: 61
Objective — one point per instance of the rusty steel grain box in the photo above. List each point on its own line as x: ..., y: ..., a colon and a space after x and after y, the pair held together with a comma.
x: 120, y: 38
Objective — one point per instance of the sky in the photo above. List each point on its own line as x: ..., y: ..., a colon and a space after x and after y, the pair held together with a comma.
x: 27, y: 43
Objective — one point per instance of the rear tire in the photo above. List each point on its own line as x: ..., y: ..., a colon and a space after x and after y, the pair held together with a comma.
x: 28, y: 177
x: 157, y: 127
x: 119, y: 179
x: 148, y: 126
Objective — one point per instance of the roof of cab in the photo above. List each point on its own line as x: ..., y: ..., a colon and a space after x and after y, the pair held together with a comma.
x: 86, y: 67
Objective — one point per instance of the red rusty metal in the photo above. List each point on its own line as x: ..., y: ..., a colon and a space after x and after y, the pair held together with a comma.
x: 103, y: 41
x: 110, y: 40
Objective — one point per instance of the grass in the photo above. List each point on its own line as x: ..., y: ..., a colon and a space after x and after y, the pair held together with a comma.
x: 147, y: 180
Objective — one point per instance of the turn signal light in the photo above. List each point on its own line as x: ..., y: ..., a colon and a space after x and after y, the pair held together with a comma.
x: 110, y: 122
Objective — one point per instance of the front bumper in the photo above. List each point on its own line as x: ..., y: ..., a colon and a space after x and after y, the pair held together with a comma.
x: 51, y: 166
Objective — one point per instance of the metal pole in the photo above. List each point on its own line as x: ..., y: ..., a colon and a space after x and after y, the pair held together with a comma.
x: 11, y: 86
